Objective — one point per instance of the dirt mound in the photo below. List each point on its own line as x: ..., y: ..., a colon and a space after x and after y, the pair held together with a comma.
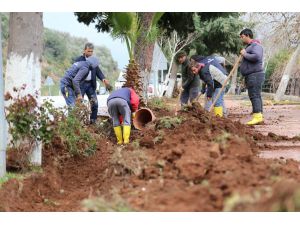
x: 64, y: 182
x: 201, y: 164
x: 192, y: 162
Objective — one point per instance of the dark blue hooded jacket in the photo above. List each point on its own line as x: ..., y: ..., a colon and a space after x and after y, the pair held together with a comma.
x: 253, y: 60
x: 96, y: 72
x: 206, y: 76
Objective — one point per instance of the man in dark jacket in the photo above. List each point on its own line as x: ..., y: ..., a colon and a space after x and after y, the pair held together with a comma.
x: 213, y: 75
x: 70, y: 82
x: 252, y: 69
x: 190, y: 82
x: 89, y: 85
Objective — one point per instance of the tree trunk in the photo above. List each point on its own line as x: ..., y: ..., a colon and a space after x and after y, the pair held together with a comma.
x: 24, y: 58
x: 172, y: 80
x: 297, y: 88
x: 3, y: 130
x: 286, y: 74
x: 143, y: 52
x: 293, y: 85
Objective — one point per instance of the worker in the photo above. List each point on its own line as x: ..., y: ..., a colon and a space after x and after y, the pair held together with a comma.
x: 252, y: 69
x: 89, y: 85
x: 190, y: 82
x: 122, y: 105
x: 213, y: 75
x: 70, y: 82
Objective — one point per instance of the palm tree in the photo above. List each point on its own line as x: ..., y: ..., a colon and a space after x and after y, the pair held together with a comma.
x: 127, y: 27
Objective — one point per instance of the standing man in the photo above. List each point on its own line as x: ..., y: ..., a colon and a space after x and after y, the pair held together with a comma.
x: 252, y: 69
x: 89, y: 85
x: 190, y: 82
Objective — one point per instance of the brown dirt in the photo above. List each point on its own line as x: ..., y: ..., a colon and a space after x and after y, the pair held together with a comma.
x: 200, y: 165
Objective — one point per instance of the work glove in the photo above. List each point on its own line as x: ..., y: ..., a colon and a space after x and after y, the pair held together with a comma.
x: 109, y: 87
x: 133, y: 115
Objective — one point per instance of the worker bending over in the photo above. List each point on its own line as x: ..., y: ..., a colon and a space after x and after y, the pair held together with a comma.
x: 122, y: 105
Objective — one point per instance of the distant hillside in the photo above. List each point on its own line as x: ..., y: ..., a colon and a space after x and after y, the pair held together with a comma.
x: 60, y: 50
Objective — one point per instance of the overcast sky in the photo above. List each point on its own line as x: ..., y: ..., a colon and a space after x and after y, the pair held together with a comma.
x: 67, y: 22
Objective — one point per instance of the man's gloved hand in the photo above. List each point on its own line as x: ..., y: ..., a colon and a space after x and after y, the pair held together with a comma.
x: 109, y: 87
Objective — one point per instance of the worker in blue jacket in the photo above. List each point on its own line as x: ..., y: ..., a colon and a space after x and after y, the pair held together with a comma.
x: 70, y: 82
x: 213, y: 75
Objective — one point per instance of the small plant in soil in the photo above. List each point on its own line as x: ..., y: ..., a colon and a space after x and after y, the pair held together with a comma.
x: 159, y: 138
x: 156, y: 103
x: 104, y: 127
x: 128, y: 162
x: 100, y: 204
x: 237, y: 200
x: 9, y: 176
x: 169, y: 122
x: 136, y: 144
x: 222, y: 139
x: 78, y: 140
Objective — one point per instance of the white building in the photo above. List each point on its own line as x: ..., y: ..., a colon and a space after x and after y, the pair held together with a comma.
x: 159, y: 69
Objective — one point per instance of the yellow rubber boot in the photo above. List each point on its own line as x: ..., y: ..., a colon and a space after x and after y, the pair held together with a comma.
x: 218, y: 111
x: 257, y: 119
x: 118, y: 133
x: 126, y: 133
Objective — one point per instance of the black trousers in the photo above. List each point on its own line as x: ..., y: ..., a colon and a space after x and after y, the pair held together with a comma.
x: 254, y: 84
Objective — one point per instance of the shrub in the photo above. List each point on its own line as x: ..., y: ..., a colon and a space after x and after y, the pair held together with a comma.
x: 30, y: 123
x: 77, y: 139
x: 27, y: 120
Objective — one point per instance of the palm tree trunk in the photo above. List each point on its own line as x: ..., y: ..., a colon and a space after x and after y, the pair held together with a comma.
x: 144, y: 52
x: 286, y: 74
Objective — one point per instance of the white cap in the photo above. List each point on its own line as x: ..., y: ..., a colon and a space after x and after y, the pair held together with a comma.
x: 94, y: 62
x: 220, y: 59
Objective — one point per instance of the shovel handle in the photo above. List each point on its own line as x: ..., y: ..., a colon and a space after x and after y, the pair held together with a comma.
x: 225, y: 82
x: 178, y: 101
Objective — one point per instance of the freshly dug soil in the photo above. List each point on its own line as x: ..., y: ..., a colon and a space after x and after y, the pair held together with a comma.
x: 201, y: 163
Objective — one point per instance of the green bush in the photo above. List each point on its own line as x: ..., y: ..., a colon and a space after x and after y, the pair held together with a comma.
x: 29, y: 123
x: 27, y: 120
x: 77, y: 139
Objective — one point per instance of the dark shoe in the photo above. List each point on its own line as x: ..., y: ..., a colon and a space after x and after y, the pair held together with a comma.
x: 92, y: 121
